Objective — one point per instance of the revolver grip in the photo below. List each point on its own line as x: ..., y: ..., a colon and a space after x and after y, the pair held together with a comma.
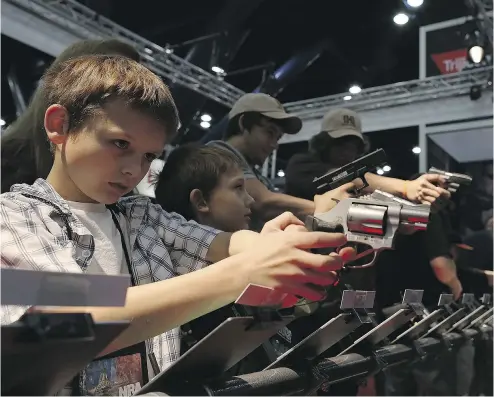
x: 314, y: 224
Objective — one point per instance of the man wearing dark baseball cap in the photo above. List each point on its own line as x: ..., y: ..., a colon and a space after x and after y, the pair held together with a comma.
x: 256, y: 124
x: 340, y: 142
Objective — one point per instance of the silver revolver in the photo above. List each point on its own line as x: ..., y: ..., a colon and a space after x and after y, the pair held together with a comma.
x: 372, y: 220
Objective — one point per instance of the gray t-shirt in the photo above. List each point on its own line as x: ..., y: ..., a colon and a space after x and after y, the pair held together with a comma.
x: 250, y: 172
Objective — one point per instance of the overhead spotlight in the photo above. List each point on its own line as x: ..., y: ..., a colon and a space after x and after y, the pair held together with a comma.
x: 415, y: 3
x: 475, y: 92
x: 401, y: 19
x: 386, y: 168
x: 354, y: 89
x: 219, y: 71
x: 380, y: 171
x: 476, y: 53
x: 148, y: 50
x: 347, y: 97
x: 475, y: 50
x: 281, y: 173
x: 205, y: 124
x: 206, y: 117
x: 2, y: 122
x: 416, y: 150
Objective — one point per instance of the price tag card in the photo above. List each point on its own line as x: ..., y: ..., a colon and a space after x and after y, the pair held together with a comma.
x: 357, y: 300
x: 486, y: 299
x: 413, y: 296
x: 445, y: 299
x: 261, y: 296
x: 467, y: 299
x: 42, y: 288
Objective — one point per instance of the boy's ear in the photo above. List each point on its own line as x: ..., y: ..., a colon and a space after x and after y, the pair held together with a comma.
x: 57, y: 124
x: 198, y: 201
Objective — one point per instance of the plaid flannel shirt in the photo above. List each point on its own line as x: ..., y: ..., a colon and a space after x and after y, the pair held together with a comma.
x: 39, y: 232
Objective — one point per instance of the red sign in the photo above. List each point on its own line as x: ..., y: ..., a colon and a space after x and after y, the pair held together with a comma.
x: 451, y: 61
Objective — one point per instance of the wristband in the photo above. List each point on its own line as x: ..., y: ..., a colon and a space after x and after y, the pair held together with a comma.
x: 405, y: 185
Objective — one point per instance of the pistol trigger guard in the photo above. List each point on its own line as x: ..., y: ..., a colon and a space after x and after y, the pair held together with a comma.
x: 370, y: 264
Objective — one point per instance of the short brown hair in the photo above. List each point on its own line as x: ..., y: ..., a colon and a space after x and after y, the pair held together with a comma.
x: 102, y: 47
x: 84, y: 84
x: 190, y: 167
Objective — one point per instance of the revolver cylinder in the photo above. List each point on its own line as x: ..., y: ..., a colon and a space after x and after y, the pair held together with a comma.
x: 367, y: 219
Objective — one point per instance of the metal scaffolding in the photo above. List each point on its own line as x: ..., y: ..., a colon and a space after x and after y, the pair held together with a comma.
x: 87, y: 24
x: 397, y: 94
x: 484, y: 10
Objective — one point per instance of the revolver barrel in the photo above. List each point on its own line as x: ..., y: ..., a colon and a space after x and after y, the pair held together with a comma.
x: 414, y: 217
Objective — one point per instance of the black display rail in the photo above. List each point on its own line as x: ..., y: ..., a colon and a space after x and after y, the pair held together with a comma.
x: 304, y: 369
x: 286, y: 381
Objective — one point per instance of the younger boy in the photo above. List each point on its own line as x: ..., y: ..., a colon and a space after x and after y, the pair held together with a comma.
x: 109, y: 118
x: 205, y: 184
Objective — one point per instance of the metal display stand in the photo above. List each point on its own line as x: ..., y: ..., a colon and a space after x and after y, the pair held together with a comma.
x: 481, y: 319
x: 221, y: 349
x: 298, y: 372
x: 427, y: 319
x: 411, y: 308
x: 446, y: 323
x: 42, y: 352
x: 354, y: 304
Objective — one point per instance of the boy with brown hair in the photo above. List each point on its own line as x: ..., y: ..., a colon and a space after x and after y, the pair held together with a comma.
x: 109, y: 118
x: 205, y: 184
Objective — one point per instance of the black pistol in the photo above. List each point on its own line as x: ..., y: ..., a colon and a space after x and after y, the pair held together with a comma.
x: 454, y: 179
x: 351, y: 171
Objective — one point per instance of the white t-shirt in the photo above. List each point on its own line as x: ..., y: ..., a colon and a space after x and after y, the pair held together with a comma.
x: 108, y: 257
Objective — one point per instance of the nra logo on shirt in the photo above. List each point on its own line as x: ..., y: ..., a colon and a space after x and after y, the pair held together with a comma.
x: 129, y: 390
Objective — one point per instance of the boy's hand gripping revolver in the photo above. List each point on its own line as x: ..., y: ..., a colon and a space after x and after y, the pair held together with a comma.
x: 372, y: 221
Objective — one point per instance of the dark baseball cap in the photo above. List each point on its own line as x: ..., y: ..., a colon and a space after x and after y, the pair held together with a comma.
x: 339, y: 123
x: 269, y: 107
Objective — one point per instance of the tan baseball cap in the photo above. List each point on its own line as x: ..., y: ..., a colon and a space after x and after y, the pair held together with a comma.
x: 267, y: 106
x: 342, y: 122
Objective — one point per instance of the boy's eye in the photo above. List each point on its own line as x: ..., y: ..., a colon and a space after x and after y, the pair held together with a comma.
x: 121, y: 144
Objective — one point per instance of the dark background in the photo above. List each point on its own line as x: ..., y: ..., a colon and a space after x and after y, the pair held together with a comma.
x: 363, y: 46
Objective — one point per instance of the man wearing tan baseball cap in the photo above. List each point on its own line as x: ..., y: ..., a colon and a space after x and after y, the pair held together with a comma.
x: 339, y: 123
x: 339, y: 142
x: 256, y: 124
x: 269, y: 107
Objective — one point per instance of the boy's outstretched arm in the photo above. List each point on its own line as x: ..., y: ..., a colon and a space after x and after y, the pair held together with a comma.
x: 279, y: 261
x: 227, y: 244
